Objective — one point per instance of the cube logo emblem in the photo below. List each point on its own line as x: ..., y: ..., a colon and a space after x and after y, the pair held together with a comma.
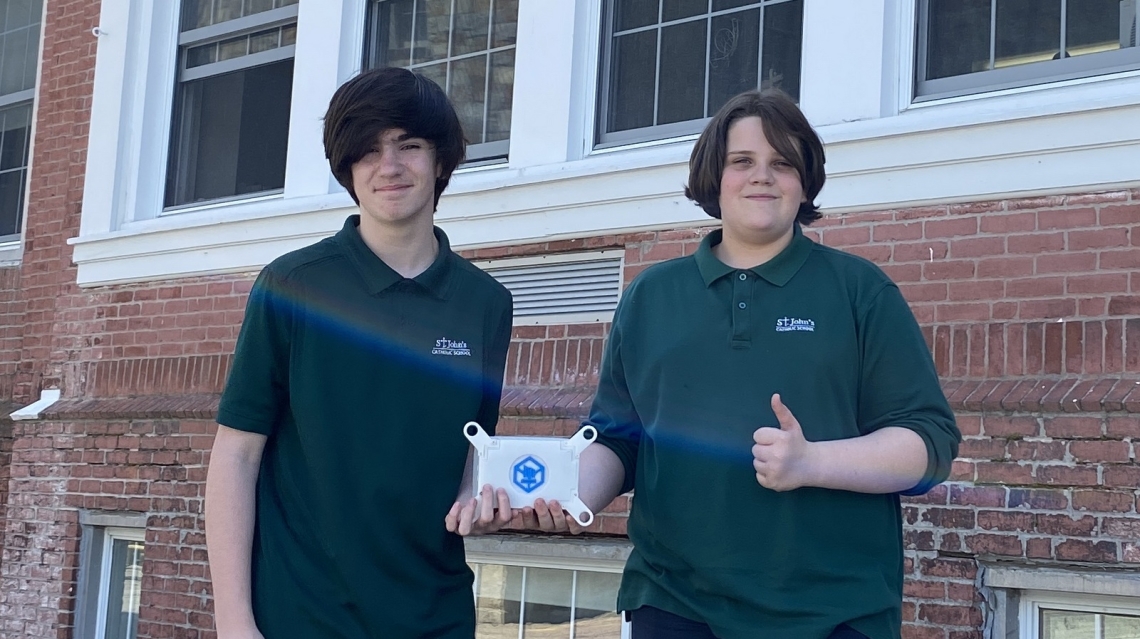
x: 528, y: 473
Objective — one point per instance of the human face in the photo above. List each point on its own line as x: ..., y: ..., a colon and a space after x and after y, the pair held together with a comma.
x: 760, y: 191
x: 395, y: 181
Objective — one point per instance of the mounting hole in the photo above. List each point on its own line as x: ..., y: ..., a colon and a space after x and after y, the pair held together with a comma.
x: 589, y: 434
x: 585, y: 518
x: 472, y: 430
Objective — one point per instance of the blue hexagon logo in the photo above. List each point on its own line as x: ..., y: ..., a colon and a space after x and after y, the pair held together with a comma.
x: 528, y: 474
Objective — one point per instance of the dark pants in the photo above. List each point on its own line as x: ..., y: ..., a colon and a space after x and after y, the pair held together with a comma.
x: 652, y: 623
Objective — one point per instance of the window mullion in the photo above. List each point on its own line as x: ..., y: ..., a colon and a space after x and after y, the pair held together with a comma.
x: 522, y: 603
x: 1062, y: 52
x: 993, y: 34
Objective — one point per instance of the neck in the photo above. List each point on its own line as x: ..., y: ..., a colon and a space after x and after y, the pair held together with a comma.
x: 738, y: 252
x: 409, y: 250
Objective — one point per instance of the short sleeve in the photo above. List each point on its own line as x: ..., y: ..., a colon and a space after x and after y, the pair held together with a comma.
x: 613, y: 413
x: 257, y: 389
x: 899, y: 386
x: 494, y: 367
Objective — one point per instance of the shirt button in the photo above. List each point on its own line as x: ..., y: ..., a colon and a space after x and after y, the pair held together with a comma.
x: 743, y: 277
x: 742, y: 305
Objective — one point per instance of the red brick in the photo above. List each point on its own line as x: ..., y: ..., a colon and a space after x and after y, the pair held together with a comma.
x: 1059, y: 475
x: 1073, y: 427
x: 1122, y: 214
x: 1079, y: 550
x: 1064, y: 525
x: 1038, y: 548
x: 1103, y: 501
x: 987, y: 544
x: 1100, y: 451
x: 1098, y: 239
x: 1005, y: 520
x: 1010, y: 427
x: 1036, y: 243
x: 1012, y: 223
x: 1066, y: 219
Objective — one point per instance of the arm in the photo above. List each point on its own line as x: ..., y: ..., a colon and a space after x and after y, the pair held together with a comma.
x: 230, y: 511
x: 908, y: 439
x: 888, y: 460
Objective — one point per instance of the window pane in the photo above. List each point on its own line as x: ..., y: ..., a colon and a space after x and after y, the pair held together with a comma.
x: 1027, y: 31
x: 505, y: 23
x: 257, y: 6
x: 681, y: 92
x: 15, y: 51
x: 14, y: 141
x: 436, y: 73
x: 264, y: 40
x: 1120, y: 626
x: 546, y: 613
x: 632, y: 81
x: 631, y: 14
x: 502, y: 93
x: 232, y: 48
x: 395, y: 31
x: 225, y: 10
x: 677, y: 9
x: 433, y: 18
x: 732, y: 56
x: 125, y: 586
x: 288, y: 35
x: 783, y: 40
x: 19, y: 14
x: 196, y: 14
x: 472, y: 18
x: 721, y: 5
x: 498, y: 602
x: 11, y: 201
x: 595, y: 612
x: 1092, y: 26
x: 198, y: 56
x: 958, y: 37
x: 468, y: 82
x: 231, y: 133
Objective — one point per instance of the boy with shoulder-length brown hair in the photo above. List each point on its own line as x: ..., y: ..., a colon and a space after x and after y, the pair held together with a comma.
x: 768, y: 399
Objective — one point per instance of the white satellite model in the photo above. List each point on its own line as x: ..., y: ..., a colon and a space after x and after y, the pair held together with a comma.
x: 532, y: 467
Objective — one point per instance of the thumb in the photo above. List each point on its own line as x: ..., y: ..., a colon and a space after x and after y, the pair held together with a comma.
x: 788, y: 421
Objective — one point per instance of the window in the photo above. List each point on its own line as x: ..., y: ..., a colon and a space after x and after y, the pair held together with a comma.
x: 465, y: 46
x: 232, y: 102
x: 968, y: 46
x: 545, y: 602
x: 19, y: 54
x: 1051, y: 617
x: 669, y: 64
x: 110, y: 581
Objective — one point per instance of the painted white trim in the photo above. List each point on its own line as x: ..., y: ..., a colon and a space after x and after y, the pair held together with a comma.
x: 1032, y: 602
x: 1067, y: 137
x: 110, y: 535
x: 33, y: 410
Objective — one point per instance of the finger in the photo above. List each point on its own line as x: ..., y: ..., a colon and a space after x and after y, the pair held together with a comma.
x: 486, y: 504
x: 451, y: 521
x: 558, y: 515
x: 466, y: 515
x: 545, y: 515
x: 787, y: 420
x: 527, y: 518
x: 504, y: 513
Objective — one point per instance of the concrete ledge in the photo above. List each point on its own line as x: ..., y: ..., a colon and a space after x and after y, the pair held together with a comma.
x: 606, y: 553
x: 107, y: 518
x: 1086, y: 580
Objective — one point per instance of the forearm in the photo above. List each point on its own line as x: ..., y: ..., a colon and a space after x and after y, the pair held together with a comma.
x: 230, y: 512
x: 600, y: 476
x: 889, y: 460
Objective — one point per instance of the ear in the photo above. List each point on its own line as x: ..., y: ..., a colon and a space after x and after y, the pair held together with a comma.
x: 438, y: 170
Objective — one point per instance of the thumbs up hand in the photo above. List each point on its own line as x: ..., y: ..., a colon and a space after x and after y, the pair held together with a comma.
x: 782, y: 456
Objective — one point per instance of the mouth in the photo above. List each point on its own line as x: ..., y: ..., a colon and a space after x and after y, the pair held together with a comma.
x: 761, y: 197
x: 394, y: 188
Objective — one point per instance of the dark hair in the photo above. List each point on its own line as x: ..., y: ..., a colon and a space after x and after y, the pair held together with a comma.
x: 390, y: 98
x: 786, y: 129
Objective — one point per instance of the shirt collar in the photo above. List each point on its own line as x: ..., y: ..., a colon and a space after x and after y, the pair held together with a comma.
x: 778, y: 270
x: 378, y: 276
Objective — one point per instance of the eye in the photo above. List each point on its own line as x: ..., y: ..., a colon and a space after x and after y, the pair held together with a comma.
x: 742, y: 160
x: 409, y: 146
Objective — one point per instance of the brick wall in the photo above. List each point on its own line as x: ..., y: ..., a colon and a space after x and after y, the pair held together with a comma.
x: 154, y: 466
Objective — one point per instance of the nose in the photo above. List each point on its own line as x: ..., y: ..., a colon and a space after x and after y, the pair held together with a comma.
x: 388, y: 163
x: 762, y: 174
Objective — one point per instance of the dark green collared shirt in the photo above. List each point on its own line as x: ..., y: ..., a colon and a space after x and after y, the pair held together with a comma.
x: 696, y: 351
x: 362, y: 380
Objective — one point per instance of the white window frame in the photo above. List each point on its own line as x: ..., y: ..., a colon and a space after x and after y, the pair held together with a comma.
x: 99, y: 531
x: 1032, y: 602
x: 1080, y: 67
x: 606, y: 556
x: 884, y: 151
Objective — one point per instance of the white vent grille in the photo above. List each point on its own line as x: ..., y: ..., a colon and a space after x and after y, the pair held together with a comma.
x: 561, y: 289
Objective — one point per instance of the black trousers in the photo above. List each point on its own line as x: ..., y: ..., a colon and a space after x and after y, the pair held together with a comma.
x: 652, y: 623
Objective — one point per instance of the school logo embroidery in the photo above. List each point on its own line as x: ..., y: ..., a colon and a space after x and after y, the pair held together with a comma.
x: 785, y: 324
x: 444, y: 346
x: 528, y: 474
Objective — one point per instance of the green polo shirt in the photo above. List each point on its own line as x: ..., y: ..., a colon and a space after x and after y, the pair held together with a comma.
x: 696, y: 351
x: 362, y: 380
